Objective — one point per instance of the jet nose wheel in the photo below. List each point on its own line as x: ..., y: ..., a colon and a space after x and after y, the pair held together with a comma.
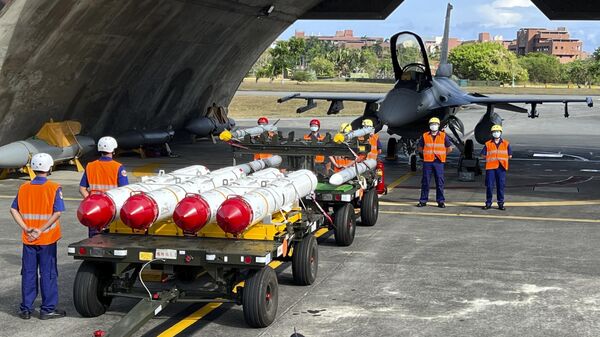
x: 392, y: 149
x: 413, y: 162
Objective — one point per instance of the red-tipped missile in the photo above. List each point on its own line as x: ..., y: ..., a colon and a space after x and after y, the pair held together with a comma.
x: 139, y: 211
x: 234, y: 215
x: 192, y: 213
x: 96, y: 211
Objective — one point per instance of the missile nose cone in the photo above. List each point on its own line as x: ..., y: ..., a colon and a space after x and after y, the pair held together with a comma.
x: 234, y: 215
x: 96, y: 211
x: 192, y: 213
x: 139, y: 211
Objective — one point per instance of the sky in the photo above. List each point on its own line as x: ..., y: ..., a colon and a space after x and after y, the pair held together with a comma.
x: 469, y: 17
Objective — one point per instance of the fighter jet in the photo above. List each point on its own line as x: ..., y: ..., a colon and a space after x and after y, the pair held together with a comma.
x: 417, y: 96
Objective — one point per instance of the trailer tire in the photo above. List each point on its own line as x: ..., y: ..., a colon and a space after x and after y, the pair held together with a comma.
x: 88, y: 288
x: 305, y: 261
x: 260, y: 298
x: 345, y: 225
x: 369, y: 210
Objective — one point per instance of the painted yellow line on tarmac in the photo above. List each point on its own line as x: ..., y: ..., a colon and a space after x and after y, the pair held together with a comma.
x: 146, y: 170
x: 399, y: 181
x: 321, y: 232
x: 190, y: 320
x: 499, y: 217
x: 507, y: 204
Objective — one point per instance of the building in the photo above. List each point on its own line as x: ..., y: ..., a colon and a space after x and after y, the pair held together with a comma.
x: 552, y: 42
x: 345, y: 38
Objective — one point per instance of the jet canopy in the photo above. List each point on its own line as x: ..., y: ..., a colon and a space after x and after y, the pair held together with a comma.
x: 411, y: 65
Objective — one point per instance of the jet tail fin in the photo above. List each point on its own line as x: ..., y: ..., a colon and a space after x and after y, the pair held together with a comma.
x: 445, y: 68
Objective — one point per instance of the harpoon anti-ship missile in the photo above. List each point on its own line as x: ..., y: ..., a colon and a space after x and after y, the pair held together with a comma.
x: 252, y: 132
x: 100, y: 209
x: 352, y: 171
x: 196, y: 210
x: 237, y: 214
x: 142, y: 210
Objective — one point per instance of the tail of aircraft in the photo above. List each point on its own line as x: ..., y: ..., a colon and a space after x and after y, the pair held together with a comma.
x: 445, y: 68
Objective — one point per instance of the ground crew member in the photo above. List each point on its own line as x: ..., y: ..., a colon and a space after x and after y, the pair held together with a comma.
x: 434, y: 145
x: 340, y: 162
x: 496, y: 152
x: 373, y: 140
x: 262, y: 121
x: 315, y: 126
x: 36, y: 209
x: 103, y: 174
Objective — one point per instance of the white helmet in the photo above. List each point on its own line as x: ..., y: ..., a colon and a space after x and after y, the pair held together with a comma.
x: 42, y: 162
x: 107, y: 144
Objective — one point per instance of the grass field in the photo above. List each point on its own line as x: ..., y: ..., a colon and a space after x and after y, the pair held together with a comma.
x: 252, y: 106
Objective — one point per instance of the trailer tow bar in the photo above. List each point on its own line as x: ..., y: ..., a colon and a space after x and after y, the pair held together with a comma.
x: 142, y: 313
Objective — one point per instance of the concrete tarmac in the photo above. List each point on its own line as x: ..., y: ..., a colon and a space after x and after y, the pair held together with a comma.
x: 531, y: 270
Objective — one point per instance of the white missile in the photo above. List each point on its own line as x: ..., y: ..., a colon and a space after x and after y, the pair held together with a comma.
x: 241, y: 133
x: 195, y: 211
x: 351, y: 172
x: 238, y: 213
x: 17, y: 154
x: 100, y: 209
x: 142, y: 210
x: 340, y: 137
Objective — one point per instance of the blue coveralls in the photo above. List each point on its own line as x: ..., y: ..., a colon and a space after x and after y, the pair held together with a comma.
x: 495, y: 177
x: 121, y: 181
x: 44, y: 258
x: 436, y: 168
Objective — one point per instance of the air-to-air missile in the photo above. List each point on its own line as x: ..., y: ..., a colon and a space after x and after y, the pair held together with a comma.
x: 142, y: 210
x: 61, y: 140
x: 196, y: 210
x: 241, y: 133
x: 352, y: 171
x: 340, y: 137
x: 237, y: 214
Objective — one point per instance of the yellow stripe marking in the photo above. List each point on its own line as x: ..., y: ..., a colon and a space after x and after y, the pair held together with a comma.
x: 507, y: 204
x: 190, y: 320
x: 399, y: 181
x: 499, y: 217
x: 274, y: 264
x: 146, y: 170
x: 321, y: 232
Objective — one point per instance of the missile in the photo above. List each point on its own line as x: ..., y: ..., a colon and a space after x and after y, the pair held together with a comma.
x: 196, y: 210
x: 17, y: 154
x: 241, y: 133
x: 134, y: 139
x: 238, y: 213
x: 340, y: 137
x: 99, y: 209
x: 351, y: 172
x: 142, y: 210
x: 206, y: 126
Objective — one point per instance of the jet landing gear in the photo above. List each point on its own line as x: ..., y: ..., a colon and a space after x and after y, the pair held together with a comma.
x: 468, y: 164
x: 413, y: 162
x: 407, y: 146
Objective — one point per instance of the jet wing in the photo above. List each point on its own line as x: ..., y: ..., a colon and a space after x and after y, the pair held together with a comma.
x: 336, y: 99
x: 505, y: 103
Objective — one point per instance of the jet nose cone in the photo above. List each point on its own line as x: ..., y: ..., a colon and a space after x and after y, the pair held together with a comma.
x: 96, y: 211
x: 191, y: 214
x: 139, y: 212
x: 234, y: 215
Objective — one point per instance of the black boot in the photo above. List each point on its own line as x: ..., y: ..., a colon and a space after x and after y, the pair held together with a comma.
x: 441, y: 205
x: 25, y: 314
x: 486, y: 207
x: 56, y: 313
x: 501, y: 207
x: 421, y: 204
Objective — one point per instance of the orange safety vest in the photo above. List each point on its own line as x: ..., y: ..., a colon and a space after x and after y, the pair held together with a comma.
x: 258, y: 156
x: 434, y: 148
x: 319, y: 159
x: 374, y: 150
x: 496, y: 155
x: 103, y: 175
x: 36, y: 203
x: 342, y: 162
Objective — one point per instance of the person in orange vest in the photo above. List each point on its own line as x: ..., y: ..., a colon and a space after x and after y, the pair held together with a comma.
x: 340, y: 162
x: 497, y: 153
x: 373, y: 140
x: 103, y: 174
x: 263, y: 121
x: 315, y: 126
x: 434, y: 145
x: 36, y: 209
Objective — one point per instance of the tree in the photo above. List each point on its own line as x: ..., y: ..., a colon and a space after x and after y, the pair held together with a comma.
x: 581, y: 72
x: 542, y: 68
x: 487, y: 61
x: 596, y: 54
x: 322, y: 67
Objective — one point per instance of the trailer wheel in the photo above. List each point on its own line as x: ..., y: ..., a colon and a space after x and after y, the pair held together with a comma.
x: 88, y: 289
x: 369, y: 210
x: 305, y: 261
x: 259, y: 298
x: 345, y: 225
